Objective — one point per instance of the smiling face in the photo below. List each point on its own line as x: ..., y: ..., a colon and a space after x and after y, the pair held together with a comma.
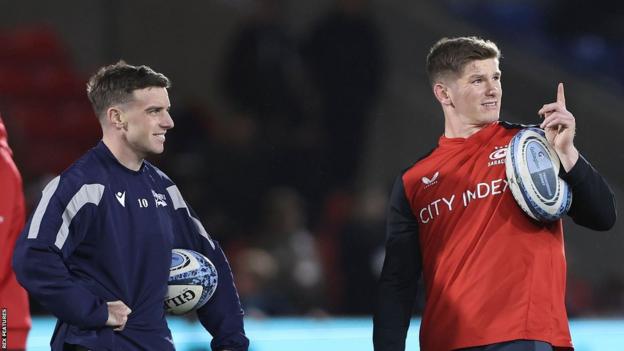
x: 475, y: 96
x: 147, y: 117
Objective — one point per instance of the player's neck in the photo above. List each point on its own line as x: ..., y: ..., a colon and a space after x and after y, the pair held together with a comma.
x: 123, y: 154
x: 463, y: 131
x: 456, y: 128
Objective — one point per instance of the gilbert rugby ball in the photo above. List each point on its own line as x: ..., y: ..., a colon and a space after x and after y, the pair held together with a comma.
x: 192, y: 281
x: 532, y: 168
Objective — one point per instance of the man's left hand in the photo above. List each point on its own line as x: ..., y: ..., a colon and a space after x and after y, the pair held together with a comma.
x: 560, y: 126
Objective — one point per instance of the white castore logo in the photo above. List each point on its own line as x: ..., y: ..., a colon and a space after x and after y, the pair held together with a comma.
x: 121, y: 197
x: 430, y: 181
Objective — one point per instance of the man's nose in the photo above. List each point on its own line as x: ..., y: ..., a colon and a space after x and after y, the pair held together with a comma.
x: 167, y: 122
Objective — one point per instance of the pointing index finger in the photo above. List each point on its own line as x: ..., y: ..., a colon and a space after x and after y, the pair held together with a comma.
x: 560, y: 94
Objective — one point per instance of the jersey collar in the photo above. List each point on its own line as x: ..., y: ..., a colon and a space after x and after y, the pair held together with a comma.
x: 477, y: 138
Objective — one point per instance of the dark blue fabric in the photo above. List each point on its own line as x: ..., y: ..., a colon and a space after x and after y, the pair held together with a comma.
x: 119, y: 249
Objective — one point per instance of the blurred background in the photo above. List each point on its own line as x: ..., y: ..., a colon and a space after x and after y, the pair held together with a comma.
x: 293, y: 118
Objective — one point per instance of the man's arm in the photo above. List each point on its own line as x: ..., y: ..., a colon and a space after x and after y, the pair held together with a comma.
x: 399, y: 276
x: 222, y: 315
x: 593, y: 202
x: 39, y: 255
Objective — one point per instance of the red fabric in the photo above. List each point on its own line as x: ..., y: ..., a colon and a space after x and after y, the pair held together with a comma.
x: 12, y: 215
x: 492, y: 274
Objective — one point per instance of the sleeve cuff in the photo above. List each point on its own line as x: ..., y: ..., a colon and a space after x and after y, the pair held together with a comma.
x: 103, y: 315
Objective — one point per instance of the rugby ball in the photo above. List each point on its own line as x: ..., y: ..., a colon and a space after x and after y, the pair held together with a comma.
x: 532, y: 168
x: 192, y: 281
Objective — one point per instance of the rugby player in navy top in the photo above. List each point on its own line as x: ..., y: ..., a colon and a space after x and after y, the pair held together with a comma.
x: 97, y: 250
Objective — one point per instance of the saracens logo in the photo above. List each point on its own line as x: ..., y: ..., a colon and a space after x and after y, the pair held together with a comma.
x: 497, y: 157
x: 430, y: 181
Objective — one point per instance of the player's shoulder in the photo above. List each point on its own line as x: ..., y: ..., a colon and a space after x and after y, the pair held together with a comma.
x: 88, y: 168
x: 85, y: 177
x: 420, y: 160
x: 158, y: 173
x: 422, y: 166
x: 506, y: 130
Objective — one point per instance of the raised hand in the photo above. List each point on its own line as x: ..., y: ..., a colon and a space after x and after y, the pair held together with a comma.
x: 560, y: 126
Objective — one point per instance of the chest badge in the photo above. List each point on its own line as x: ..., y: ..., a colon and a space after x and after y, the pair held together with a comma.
x: 497, y: 157
x: 160, y: 199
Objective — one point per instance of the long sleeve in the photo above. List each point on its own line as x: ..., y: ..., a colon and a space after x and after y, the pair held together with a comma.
x: 222, y: 315
x: 11, y: 213
x: 593, y: 202
x: 399, y: 277
x: 58, y: 225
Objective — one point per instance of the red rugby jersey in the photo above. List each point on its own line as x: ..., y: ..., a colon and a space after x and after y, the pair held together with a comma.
x: 13, y: 297
x: 491, y: 273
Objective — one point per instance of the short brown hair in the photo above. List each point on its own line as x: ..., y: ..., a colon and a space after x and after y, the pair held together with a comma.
x: 449, y: 56
x: 114, y: 84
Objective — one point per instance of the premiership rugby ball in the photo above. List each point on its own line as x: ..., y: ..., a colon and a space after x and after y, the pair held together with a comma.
x: 532, y: 168
x: 192, y: 281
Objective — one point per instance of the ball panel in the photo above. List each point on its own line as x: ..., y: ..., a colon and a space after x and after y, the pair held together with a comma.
x: 177, y: 260
x: 541, y: 169
x: 183, y: 298
x: 515, y: 182
x: 193, y: 279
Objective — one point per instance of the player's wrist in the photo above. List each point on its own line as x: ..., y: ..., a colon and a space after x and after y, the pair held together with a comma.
x: 568, y: 157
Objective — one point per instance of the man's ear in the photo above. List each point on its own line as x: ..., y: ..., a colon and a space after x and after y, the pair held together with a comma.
x: 442, y: 94
x: 115, y: 117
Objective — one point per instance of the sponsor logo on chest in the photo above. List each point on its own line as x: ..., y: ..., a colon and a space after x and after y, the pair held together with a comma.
x: 462, y: 199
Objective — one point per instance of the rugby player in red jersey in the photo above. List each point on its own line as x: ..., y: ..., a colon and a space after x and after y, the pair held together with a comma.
x: 494, y: 278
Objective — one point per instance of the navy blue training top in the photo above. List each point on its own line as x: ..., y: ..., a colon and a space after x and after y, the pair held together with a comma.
x: 102, y: 232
